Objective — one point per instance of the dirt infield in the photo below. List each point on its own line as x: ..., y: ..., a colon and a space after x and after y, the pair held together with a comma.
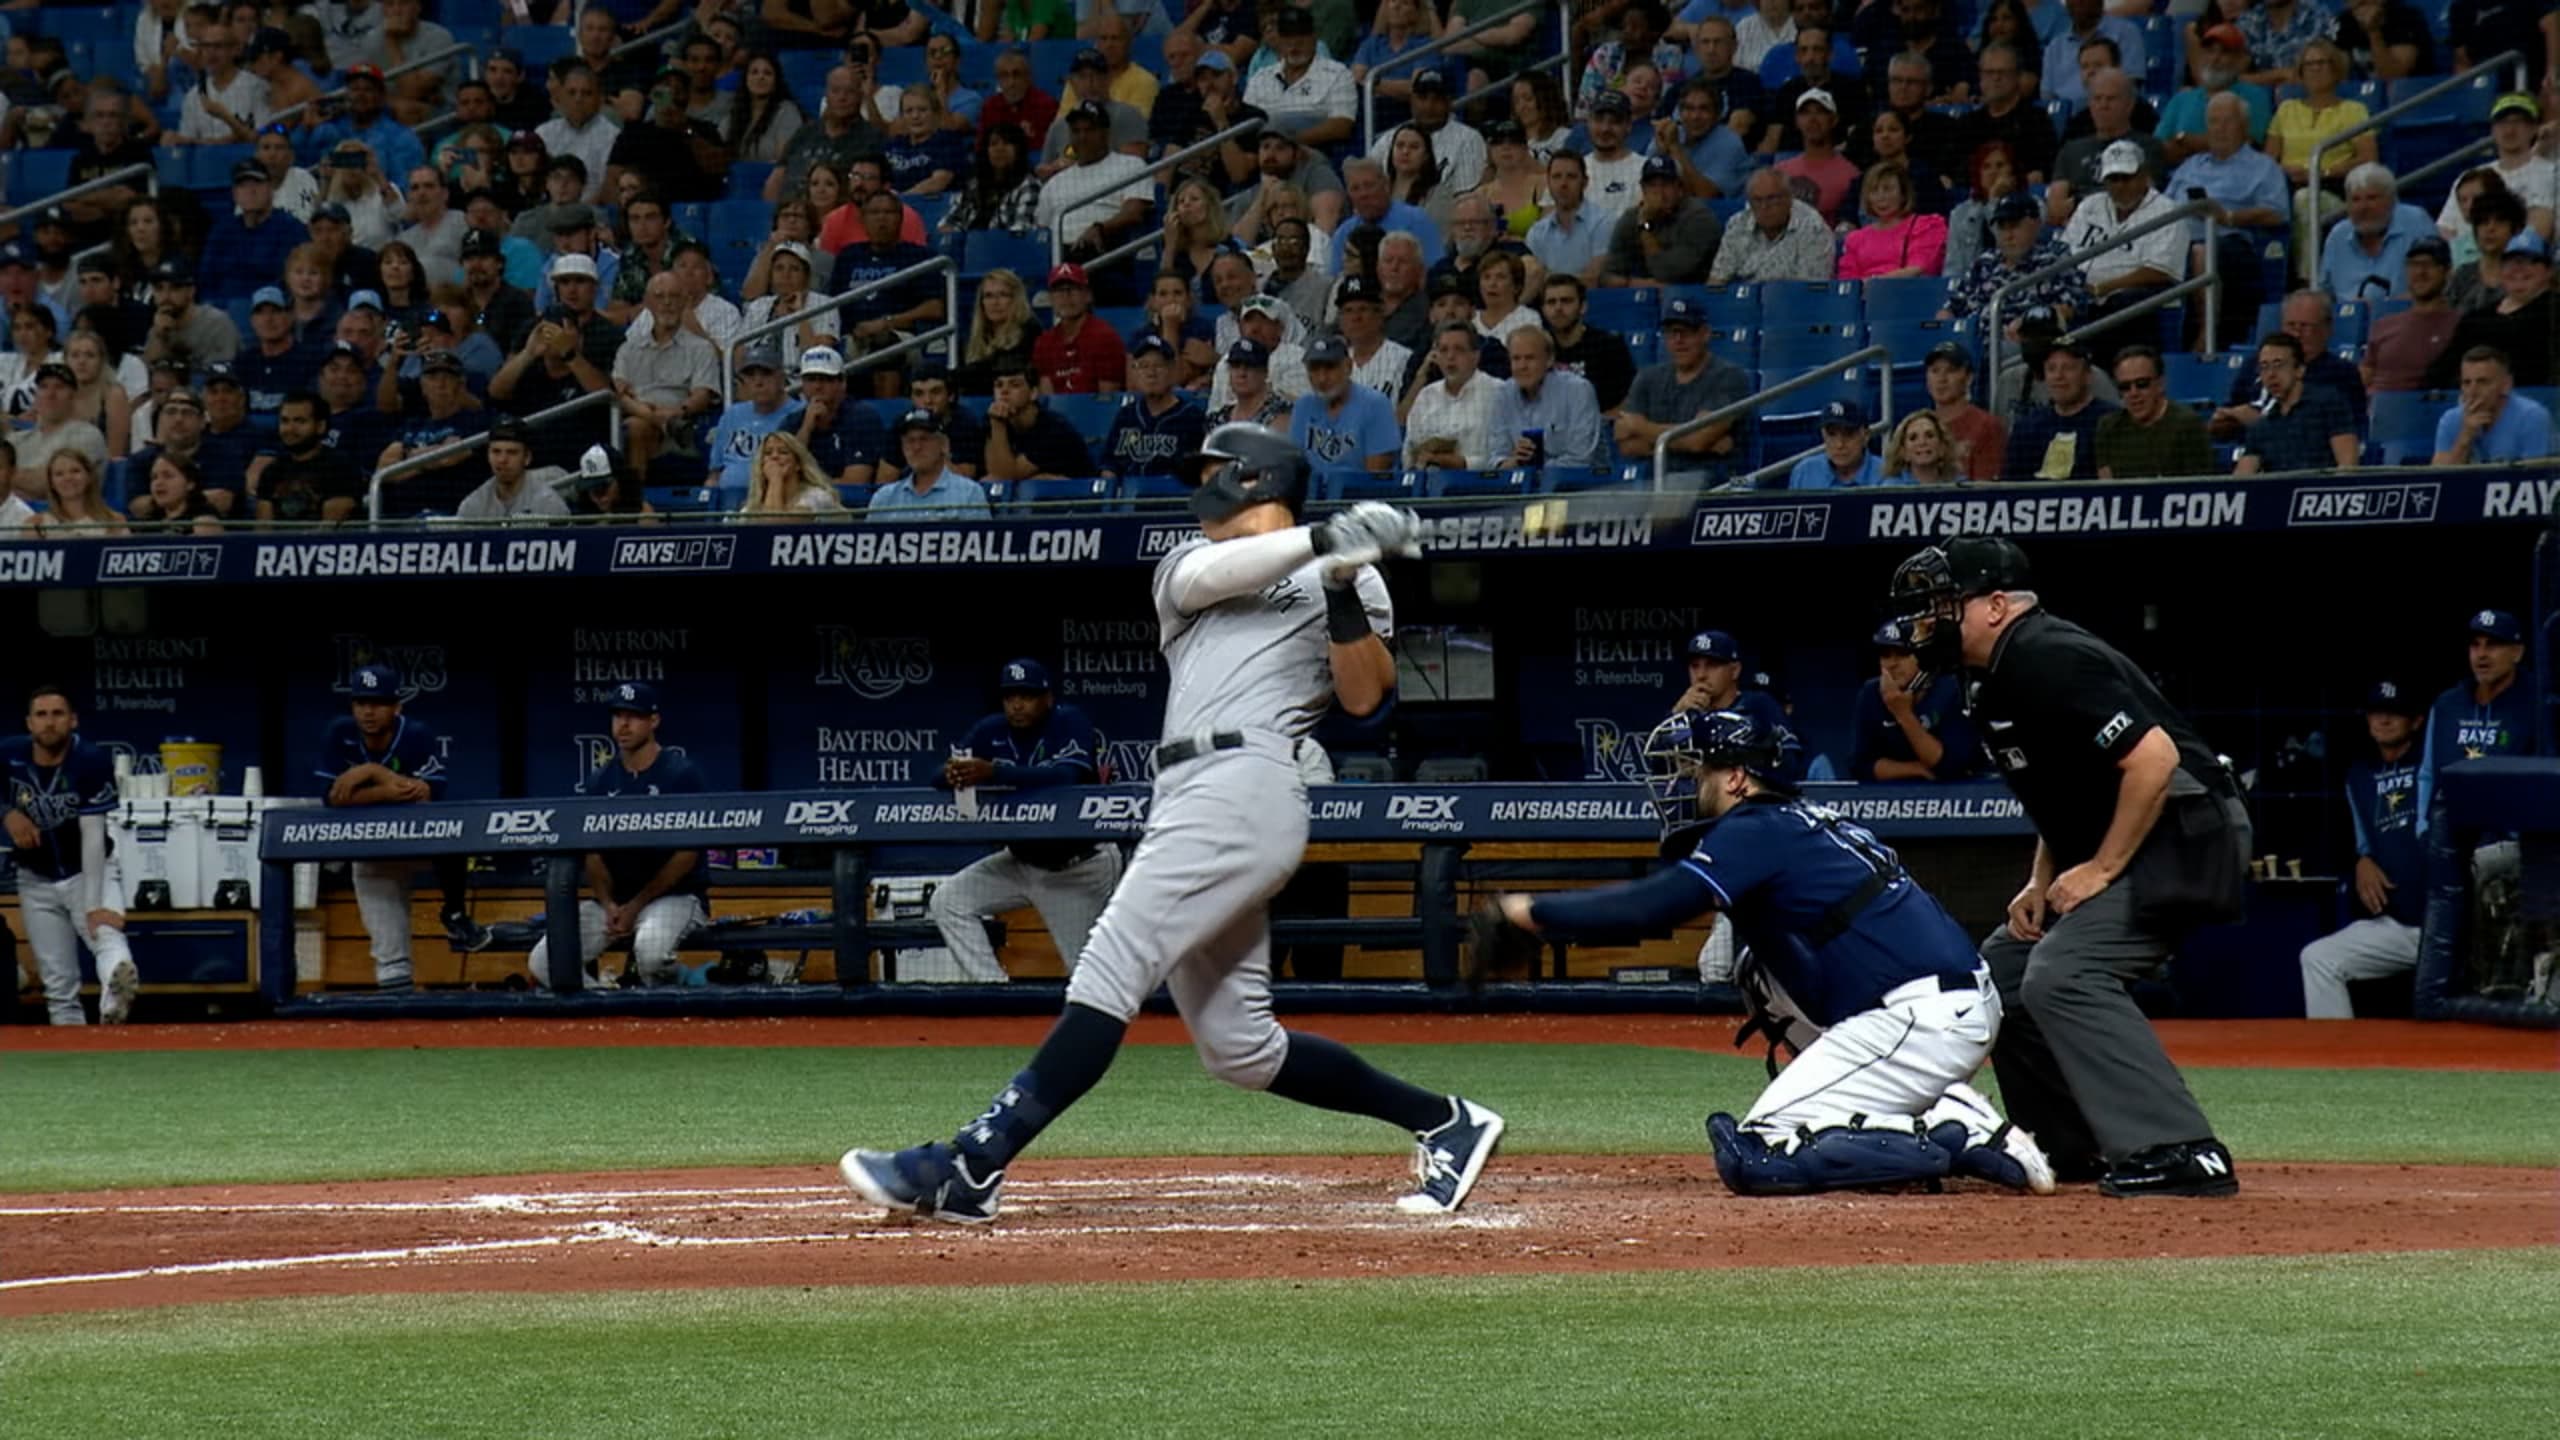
x: 2269, y: 1044
x: 1085, y: 1220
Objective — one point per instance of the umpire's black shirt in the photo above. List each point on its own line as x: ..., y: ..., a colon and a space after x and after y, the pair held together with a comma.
x: 2058, y: 709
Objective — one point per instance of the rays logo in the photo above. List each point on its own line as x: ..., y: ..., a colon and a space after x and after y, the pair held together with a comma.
x: 142, y: 762
x: 424, y: 669
x: 874, y: 669
x: 1609, y: 752
x: 1157, y: 541
x: 597, y: 751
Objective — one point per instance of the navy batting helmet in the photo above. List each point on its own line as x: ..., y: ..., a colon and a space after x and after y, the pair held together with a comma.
x: 1690, y: 742
x: 1243, y: 464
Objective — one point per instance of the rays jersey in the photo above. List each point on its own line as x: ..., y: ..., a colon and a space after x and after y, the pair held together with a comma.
x: 2382, y: 796
x: 55, y: 797
x: 1256, y: 662
x: 1065, y: 750
x: 2460, y: 728
x: 1142, y: 442
x: 669, y: 774
x: 414, y: 751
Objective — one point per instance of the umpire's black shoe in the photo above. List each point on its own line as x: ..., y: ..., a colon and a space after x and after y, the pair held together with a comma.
x: 2196, y: 1167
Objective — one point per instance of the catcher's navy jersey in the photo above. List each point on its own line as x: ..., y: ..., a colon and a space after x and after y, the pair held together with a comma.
x: 1144, y: 443
x: 2383, y: 797
x: 413, y: 750
x: 1780, y: 867
x: 670, y: 774
x: 55, y: 797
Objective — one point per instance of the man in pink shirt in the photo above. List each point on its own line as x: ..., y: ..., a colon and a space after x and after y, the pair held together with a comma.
x: 1835, y: 179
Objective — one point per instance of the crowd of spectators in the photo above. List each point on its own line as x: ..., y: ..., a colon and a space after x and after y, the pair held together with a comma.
x: 413, y: 250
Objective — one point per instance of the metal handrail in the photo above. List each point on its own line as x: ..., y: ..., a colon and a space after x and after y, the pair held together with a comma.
x: 2326, y: 143
x: 2457, y: 157
x: 1369, y: 82
x: 404, y: 67
x: 950, y: 323
x: 1497, y: 86
x: 1179, y: 158
x: 410, y: 464
x: 2179, y: 215
x: 659, y: 36
x: 112, y: 180
x: 1749, y: 403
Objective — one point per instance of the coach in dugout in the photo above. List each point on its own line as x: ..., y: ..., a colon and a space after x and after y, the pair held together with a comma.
x: 656, y: 897
x: 2141, y: 838
x: 1032, y: 742
x: 2389, y: 887
x: 1715, y: 683
x: 377, y: 754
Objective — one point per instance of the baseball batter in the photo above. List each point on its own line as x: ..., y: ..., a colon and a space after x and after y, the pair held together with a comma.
x: 1265, y: 623
x: 1033, y: 742
x: 1851, y: 963
x: 61, y: 790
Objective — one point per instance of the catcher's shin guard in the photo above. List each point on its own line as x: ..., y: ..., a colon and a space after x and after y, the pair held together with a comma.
x: 1838, y: 1157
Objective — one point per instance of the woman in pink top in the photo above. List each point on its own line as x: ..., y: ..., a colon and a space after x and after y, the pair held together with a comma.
x: 1897, y: 242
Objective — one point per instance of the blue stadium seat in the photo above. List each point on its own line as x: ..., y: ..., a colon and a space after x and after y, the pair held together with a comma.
x: 746, y: 180
x: 738, y: 224
x: 856, y: 497
x: 2163, y: 57
x: 900, y: 65
x: 887, y: 410
x: 692, y: 217
x: 1124, y: 320
x: 1564, y: 480
x: 469, y: 12
x: 1789, y: 349
x: 35, y: 174
x: 1904, y: 301
x: 1644, y: 347
x: 1340, y: 485
x: 685, y: 499
x: 2059, y: 112
x: 1729, y: 307
x: 805, y: 71
x: 1810, y: 302
x: 1475, y: 484
x: 1624, y: 309
x: 930, y: 209
x: 2203, y: 380
x: 2404, y: 424
x: 1062, y: 496
x: 1912, y: 341
x: 1049, y: 62
x: 1090, y: 414
x: 1024, y: 255
x: 540, y: 45
x: 1155, y: 490
x: 1740, y: 347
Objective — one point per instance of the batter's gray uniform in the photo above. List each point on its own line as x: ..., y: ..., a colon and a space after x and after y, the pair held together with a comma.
x: 1244, y: 634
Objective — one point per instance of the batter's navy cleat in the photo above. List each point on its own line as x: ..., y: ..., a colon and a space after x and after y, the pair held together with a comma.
x: 1446, y: 1160
x: 931, y: 1180
x: 464, y: 933
x: 2196, y: 1167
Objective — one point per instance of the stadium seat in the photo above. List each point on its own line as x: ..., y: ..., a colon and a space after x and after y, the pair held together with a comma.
x: 1739, y: 347
x: 1090, y: 414
x: 1125, y: 320
x: 1151, y: 490
x: 1452, y: 770
x: 900, y: 65
x: 805, y: 71
x: 1787, y: 350
x: 930, y: 209
x: 1340, y: 485
x: 1912, y: 341
x: 540, y: 45
x: 685, y: 499
x: 746, y: 180
x: 35, y: 174
x: 1564, y: 480
x: 2162, y: 54
x: 2059, y: 112
x: 1024, y: 255
x: 2404, y: 424
x: 1056, y: 497
x: 1049, y: 62
x: 1624, y: 309
x: 1729, y: 307
x: 855, y: 497
x: 692, y: 217
x: 1364, y: 770
x: 1476, y: 484
x: 2351, y: 322
x: 2203, y: 380
x: 1904, y: 301
x: 1644, y: 347
x: 1811, y: 302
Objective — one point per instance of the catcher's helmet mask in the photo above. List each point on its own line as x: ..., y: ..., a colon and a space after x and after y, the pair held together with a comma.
x: 1241, y: 465
x: 1687, y: 745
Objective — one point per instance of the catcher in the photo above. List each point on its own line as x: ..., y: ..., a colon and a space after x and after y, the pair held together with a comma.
x: 1875, y: 990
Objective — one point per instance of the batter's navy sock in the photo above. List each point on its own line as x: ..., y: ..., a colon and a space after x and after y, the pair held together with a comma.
x: 1069, y: 1062
x: 1324, y: 1073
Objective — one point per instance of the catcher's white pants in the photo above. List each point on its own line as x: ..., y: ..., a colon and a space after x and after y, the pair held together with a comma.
x: 56, y: 925
x: 1069, y: 901
x: 1908, y: 1058
x: 382, y: 902
x: 2366, y: 950
x: 664, y: 924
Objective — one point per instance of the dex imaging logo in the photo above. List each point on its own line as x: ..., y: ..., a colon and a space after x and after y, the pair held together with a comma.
x: 675, y: 553
x: 523, y: 827
x: 144, y: 564
x: 825, y: 817
x: 874, y: 668
x: 1434, y: 813
x: 1113, y: 812
x: 2413, y: 503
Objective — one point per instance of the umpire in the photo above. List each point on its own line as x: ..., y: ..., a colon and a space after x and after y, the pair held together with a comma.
x: 2141, y: 838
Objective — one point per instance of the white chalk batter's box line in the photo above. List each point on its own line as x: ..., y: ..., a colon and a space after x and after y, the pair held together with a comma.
x: 614, y: 1231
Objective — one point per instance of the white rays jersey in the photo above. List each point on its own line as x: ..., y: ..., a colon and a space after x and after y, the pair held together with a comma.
x: 1256, y: 662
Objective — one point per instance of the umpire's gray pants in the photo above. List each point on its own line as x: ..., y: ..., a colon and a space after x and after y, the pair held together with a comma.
x: 2080, y: 1067
x: 1069, y: 901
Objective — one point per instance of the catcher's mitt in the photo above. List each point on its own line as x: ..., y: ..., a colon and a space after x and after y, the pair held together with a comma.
x: 1497, y: 949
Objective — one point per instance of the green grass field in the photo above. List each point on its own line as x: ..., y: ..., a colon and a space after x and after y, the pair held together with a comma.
x: 2416, y: 1344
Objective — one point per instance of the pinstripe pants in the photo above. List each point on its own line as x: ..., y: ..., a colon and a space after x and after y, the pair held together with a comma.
x: 1069, y: 901
x: 664, y: 924
x: 56, y: 926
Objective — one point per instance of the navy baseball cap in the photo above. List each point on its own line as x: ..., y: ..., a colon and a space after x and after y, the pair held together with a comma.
x: 374, y: 682
x: 920, y: 419
x: 1612, y: 102
x: 1891, y: 635
x: 2390, y: 697
x: 2499, y: 625
x: 1844, y: 415
x: 1951, y: 351
x: 2431, y: 247
x: 1431, y: 82
x: 1662, y: 167
x: 637, y: 696
x: 220, y: 373
x: 1151, y: 344
x: 332, y: 210
x: 2015, y: 207
x: 1088, y: 58
x: 14, y: 253
x: 1328, y: 351
x: 1023, y: 677
x: 1360, y: 290
x: 1713, y: 645
x: 1249, y: 353
x: 1684, y: 310
x: 440, y: 362
x: 248, y: 171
